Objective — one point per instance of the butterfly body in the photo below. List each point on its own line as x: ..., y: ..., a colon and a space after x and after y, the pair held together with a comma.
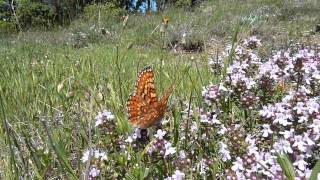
x: 144, y: 109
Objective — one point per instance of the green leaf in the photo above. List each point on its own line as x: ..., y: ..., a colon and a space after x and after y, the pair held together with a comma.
x: 315, y: 171
x: 229, y: 60
x: 61, y: 152
x: 214, y: 170
x: 286, y: 166
x: 176, y: 122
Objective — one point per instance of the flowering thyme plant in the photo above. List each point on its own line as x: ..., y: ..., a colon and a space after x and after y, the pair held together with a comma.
x: 280, y: 100
x: 261, y: 108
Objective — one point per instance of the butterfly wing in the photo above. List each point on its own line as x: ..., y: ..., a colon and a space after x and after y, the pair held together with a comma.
x: 145, y: 87
x: 135, y: 108
x: 142, y: 103
x: 143, y: 106
x: 141, y: 114
x: 165, y: 97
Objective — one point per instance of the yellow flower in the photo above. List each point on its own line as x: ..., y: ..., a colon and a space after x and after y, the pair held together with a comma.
x: 165, y: 20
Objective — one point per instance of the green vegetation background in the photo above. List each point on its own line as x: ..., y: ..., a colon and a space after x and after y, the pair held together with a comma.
x: 66, y: 74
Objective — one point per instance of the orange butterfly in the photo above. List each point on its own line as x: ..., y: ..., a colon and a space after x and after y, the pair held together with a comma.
x: 144, y: 109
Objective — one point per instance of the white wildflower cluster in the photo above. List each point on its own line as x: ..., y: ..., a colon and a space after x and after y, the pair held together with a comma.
x: 224, y: 152
x: 103, y: 118
x: 238, y: 78
x: 297, y: 117
x: 178, y: 175
x: 209, y: 118
x: 213, y: 93
x: 252, y: 42
x: 301, y: 67
x: 239, y: 81
x: 256, y: 162
x: 243, y: 53
x: 96, y: 157
x: 94, y: 172
x: 94, y: 154
x: 290, y: 126
x: 161, y: 146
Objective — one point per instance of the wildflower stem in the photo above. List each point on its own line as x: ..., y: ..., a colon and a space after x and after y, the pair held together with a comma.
x: 165, y: 166
x: 57, y: 151
x: 266, y: 168
x: 90, y: 153
x: 119, y: 77
x: 188, y: 116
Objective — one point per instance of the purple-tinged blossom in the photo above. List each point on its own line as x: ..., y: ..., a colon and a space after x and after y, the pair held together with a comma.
x: 85, y: 156
x: 95, y: 153
x: 300, y: 163
x: 103, y: 117
x: 299, y: 143
x: 224, y: 152
x: 209, y: 118
x: 266, y: 131
x: 222, y: 130
x: 160, y: 134
x: 169, y: 149
x: 129, y: 140
x: 287, y: 134
x: 315, y: 126
x: 178, y: 175
x: 282, y: 146
x: 94, y: 172
x: 237, y: 165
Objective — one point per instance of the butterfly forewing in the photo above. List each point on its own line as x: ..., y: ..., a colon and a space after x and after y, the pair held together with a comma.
x: 145, y: 87
x: 137, y: 107
x: 133, y: 106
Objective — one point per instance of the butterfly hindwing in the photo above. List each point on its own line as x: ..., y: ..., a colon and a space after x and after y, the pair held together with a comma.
x: 150, y: 118
x: 140, y: 112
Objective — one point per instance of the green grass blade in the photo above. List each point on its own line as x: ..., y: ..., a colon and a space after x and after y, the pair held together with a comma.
x: 286, y: 166
x: 229, y: 60
x: 176, y: 120
x: 37, y: 163
x: 60, y: 151
x: 315, y: 171
x: 13, y: 167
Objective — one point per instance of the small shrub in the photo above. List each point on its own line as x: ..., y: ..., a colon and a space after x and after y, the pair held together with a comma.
x: 108, y: 13
x: 6, y: 21
x: 189, y: 41
x: 34, y: 14
x: 183, y: 3
x: 193, y: 43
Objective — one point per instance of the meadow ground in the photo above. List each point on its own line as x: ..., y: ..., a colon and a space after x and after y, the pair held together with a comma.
x: 54, y: 84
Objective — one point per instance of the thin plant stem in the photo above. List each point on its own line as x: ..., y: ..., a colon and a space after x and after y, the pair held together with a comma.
x: 62, y: 161
x: 87, y: 171
x: 119, y: 77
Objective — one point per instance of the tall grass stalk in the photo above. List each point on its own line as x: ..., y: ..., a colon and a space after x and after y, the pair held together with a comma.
x: 13, y: 164
x: 59, y: 150
x: 315, y: 171
x: 118, y: 66
x: 286, y: 166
